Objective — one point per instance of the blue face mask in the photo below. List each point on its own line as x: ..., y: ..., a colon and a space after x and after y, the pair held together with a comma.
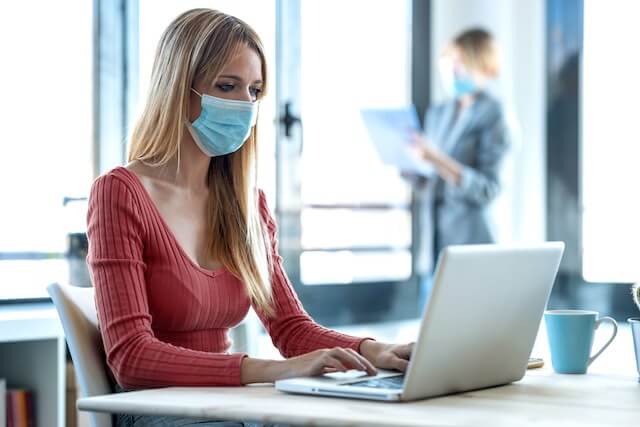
x: 463, y: 86
x: 223, y: 125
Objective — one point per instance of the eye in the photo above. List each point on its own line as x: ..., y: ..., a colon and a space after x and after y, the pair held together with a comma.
x: 225, y: 87
x: 255, y: 92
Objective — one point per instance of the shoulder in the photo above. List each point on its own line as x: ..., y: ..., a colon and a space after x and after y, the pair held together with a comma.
x: 265, y: 213
x: 114, y: 187
x: 263, y: 204
x: 262, y: 200
x: 490, y: 108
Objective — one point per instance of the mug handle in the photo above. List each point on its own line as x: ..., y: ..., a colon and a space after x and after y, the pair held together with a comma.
x: 615, y: 332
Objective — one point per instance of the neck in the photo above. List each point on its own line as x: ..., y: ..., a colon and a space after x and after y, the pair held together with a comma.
x: 466, y: 100
x: 193, y: 165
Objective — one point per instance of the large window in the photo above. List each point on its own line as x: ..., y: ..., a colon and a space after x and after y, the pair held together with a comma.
x: 355, y: 220
x: 47, y: 133
x: 610, y: 151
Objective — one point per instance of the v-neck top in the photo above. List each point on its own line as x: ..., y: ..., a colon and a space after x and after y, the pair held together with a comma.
x: 163, y: 318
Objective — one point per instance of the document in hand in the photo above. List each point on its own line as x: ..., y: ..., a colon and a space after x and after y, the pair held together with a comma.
x: 390, y: 130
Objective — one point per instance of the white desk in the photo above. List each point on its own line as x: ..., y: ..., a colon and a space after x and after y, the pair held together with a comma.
x: 608, y: 395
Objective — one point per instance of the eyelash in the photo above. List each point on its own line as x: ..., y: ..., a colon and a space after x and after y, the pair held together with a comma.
x: 228, y: 88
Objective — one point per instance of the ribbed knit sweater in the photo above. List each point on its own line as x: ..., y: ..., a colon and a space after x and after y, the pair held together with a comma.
x: 163, y: 318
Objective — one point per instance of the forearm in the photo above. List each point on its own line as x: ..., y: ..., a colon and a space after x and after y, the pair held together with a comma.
x: 448, y: 168
x: 370, y: 349
x: 261, y: 370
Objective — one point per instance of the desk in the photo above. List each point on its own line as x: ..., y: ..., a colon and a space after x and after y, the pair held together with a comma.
x: 608, y: 395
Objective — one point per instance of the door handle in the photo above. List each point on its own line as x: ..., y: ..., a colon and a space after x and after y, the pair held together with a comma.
x: 288, y: 119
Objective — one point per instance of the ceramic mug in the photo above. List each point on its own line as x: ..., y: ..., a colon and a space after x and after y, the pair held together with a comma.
x: 570, y: 334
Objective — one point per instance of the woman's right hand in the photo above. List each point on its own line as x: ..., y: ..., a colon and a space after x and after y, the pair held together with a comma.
x: 317, y: 362
x: 326, y: 361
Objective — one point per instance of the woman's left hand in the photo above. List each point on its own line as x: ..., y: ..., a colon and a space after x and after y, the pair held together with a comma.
x: 423, y: 148
x: 387, y: 356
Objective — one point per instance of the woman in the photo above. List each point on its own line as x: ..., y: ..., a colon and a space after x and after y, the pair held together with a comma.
x: 181, y: 242
x: 464, y: 140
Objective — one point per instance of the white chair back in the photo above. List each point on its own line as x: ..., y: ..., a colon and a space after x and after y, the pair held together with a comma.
x: 76, y: 308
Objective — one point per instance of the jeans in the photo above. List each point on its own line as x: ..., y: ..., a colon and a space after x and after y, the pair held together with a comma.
x: 128, y: 420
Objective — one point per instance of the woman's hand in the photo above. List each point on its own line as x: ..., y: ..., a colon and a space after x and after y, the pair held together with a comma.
x: 372, y: 354
x: 447, y: 167
x: 423, y: 148
x: 325, y: 361
x: 387, y: 356
x: 314, y: 363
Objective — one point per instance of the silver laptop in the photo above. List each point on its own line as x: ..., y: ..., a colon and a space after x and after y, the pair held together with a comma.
x: 477, y: 330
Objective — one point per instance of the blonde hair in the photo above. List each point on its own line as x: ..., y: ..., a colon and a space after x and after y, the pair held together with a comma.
x: 195, y: 47
x: 478, y: 51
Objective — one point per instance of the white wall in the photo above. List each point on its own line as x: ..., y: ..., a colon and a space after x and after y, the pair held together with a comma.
x: 518, y: 26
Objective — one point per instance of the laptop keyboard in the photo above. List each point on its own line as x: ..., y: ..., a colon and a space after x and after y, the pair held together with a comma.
x: 395, y: 382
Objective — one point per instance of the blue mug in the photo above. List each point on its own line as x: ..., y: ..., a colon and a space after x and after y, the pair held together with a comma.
x: 570, y: 334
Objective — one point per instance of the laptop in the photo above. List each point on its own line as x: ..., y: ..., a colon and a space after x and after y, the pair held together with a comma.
x: 477, y: 330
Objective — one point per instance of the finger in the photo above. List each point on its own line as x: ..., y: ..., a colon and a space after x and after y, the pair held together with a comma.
x: 335, y: 363
x: 399, y: 364
x: 328, y: 370
x: 404, y: 351
x: 354, y: 360
x: 368, y: 366
x: 347, y: 358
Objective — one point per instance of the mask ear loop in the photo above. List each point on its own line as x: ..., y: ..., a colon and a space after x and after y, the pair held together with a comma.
x: 257, y: 112
x: 197, y: 93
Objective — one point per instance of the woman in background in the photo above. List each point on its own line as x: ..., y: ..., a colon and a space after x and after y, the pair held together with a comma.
x: 464, y: 140
x: 181, y: 242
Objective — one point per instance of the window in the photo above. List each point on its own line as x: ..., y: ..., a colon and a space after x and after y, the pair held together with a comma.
x: 355, y: 211
x: 610, y: 152
x: 47, y: 137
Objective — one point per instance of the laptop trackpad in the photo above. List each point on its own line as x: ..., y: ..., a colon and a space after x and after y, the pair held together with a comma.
x: 345, y: 376
x: 353, y: 376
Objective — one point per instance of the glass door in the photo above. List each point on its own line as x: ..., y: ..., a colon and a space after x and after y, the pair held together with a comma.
x: 345, y: 218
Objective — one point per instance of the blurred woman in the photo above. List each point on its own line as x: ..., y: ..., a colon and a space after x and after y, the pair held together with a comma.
x: 464, y: 140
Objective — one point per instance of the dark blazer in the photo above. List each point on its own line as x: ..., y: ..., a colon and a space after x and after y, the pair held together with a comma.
x: 458, y: 214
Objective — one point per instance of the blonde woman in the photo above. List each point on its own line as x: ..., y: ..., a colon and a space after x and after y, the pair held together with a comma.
x: 465, y: 140
x: 181, y: 243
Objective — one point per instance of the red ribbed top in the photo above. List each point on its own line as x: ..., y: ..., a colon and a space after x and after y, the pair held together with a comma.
x: 163, y: 318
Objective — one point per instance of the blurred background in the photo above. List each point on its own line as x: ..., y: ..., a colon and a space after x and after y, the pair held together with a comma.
x: 75, y: 72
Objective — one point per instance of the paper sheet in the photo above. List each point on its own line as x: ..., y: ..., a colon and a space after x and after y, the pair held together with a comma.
x: 390, y: 131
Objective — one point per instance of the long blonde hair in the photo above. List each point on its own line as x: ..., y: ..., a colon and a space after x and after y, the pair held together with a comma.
x: 196, y: 46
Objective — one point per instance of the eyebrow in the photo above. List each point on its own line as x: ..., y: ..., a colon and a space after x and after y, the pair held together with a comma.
x: 233, y: 77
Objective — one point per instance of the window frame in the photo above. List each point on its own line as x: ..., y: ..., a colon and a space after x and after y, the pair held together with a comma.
x: 571, y: 290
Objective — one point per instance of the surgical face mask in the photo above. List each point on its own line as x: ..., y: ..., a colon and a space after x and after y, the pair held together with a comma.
x: 463, y: 85
x: 456, y: 82
x: 223, y: 125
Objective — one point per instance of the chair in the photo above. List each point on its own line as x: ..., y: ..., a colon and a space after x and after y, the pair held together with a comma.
x: 76, y: 308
